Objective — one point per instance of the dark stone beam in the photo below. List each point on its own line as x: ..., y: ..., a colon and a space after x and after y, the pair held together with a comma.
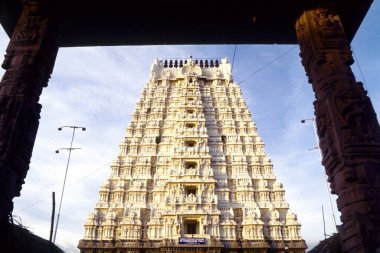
x: 347, y: 127
x: 28, y: 62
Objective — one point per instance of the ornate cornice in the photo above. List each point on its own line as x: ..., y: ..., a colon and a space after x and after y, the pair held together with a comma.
x: 190, y: 67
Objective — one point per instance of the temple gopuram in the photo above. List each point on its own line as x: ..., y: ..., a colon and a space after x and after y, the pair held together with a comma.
x: 191, y: 173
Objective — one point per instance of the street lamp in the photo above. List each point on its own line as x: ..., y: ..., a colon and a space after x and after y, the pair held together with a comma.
x: 321, y: 157
x: 67, y: 167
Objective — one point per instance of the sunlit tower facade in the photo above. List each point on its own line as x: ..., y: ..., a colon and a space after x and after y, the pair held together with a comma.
x: 191, y: 174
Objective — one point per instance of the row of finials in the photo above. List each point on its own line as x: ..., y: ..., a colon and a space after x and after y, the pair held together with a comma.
x: 181, y: 63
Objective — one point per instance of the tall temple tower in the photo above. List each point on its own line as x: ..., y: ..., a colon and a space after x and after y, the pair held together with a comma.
x: 191, y: 174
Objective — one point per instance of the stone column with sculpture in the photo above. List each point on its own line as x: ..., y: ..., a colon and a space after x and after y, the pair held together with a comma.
x: 347, y: 126
x: 28, y: 63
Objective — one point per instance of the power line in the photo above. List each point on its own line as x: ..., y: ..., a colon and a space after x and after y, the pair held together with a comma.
x: 360, y: 69
x: 68, y: 186
x: 266, y: 65
x: 233, y: 59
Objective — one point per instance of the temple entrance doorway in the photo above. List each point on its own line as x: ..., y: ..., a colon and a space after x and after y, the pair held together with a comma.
x: 191, y: 227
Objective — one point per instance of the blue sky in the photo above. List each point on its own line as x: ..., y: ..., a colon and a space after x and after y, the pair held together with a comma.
x: 97, y: 87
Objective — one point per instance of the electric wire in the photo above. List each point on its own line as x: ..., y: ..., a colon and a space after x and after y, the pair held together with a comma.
x: 233, y: 59
x: 68, y: 186
x: 266, y: 65
x: 360, y: 69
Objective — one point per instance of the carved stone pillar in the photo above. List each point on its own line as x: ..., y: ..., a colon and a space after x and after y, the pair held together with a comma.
x: 347, y: 127
x: 28, y: 62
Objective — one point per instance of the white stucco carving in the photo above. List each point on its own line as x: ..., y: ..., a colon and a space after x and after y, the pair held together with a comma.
x: 191, y: 155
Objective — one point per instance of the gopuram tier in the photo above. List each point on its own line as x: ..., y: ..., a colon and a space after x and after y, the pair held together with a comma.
x: 191, y: 174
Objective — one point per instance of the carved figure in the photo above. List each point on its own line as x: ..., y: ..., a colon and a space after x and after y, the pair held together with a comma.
x: 353, y: 111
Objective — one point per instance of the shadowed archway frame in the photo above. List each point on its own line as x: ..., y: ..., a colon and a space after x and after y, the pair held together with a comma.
x: 346, y: 122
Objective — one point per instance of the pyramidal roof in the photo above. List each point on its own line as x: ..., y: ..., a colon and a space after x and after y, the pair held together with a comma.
x: 191, y: 170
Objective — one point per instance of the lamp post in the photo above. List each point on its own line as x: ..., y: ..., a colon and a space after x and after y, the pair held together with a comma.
x: 67, y: 167
x: 321, y: 157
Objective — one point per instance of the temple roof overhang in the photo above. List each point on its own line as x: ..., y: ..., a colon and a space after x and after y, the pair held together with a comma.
x: 107, y: 23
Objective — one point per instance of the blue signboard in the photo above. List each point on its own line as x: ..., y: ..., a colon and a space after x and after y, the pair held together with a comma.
x: 192, y: 240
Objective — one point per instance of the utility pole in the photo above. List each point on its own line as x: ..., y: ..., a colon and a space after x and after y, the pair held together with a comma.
x: 324, y: 224
x: 52, y: 217
x: 67, y: 167
x: 324, y: 172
